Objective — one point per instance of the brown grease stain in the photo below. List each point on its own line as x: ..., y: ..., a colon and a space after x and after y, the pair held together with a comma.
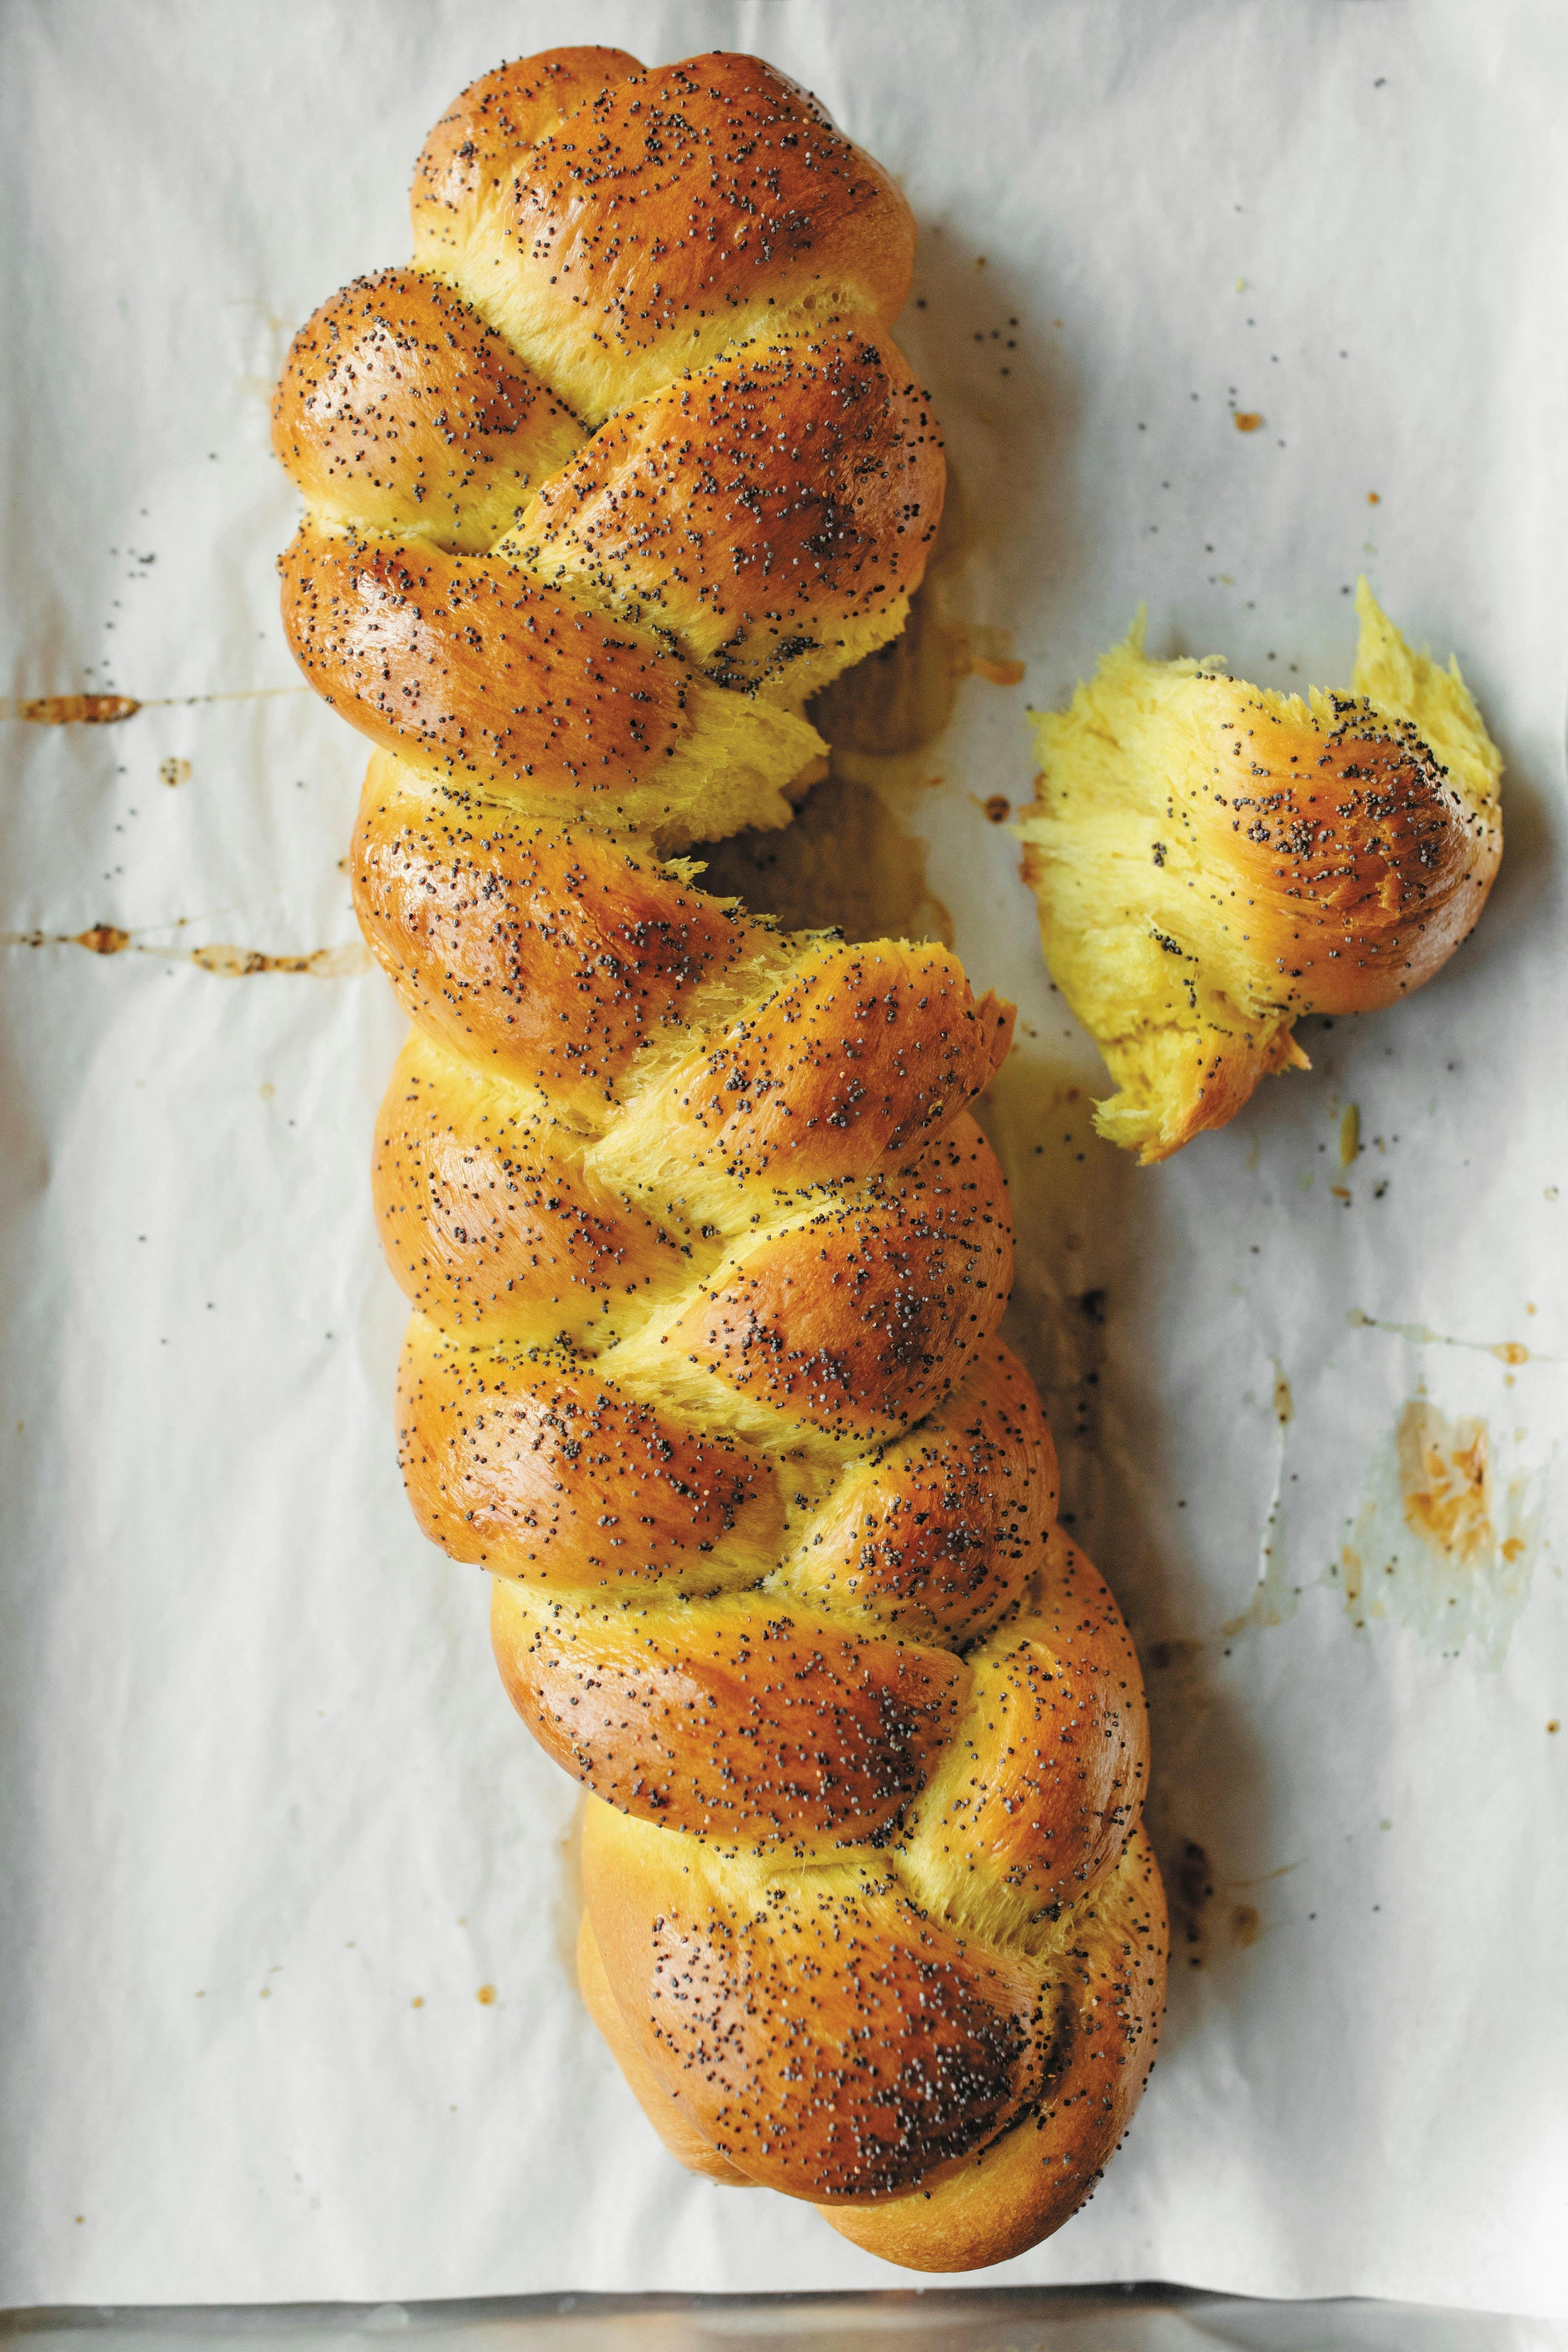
x: 845, y: 863
x: 1349, y: 1136
x: 900, y: 698
x: 1442, y: 1543
x: 1274, y: 1597
x: 227, y: 961
x: 1421, y: 1335
x: 1190, y: 1890
x: 1445, y: 1474
x: 486, y: 1996
x: 324, y: 964
x: 1246, y: 420
x: 1179, y: 1653
x: 77, y: 710
x: 108, y: 710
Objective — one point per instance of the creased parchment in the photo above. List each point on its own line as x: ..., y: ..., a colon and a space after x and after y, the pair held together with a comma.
x: 1221, y: 305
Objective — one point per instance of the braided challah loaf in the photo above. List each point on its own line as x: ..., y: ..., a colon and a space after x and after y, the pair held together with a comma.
x: 706, y: 1253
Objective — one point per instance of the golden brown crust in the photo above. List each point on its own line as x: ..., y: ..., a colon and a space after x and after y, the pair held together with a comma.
x: 706, y: 1251
x: 540, y: 955
x: 856, y: 1053
x: 1361, y: 864
x: 756, y: 1725
x: 857, y: 1321
x: 474, y: 148
x: 940, y: 1532
x: 670, y: 214
x: 758, y: 507
x: 560, y: 1477
x: 1023, y: 2186
x: 481, y: 674
x: 492, y: 1225
x: 399, y: 409
x: 478, y: 669
x: 662, y: 2107
x: 830, y: 2040
x: 1044, y: 1777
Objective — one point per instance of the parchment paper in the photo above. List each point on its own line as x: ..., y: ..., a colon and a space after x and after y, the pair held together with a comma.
x: 286, y: 2006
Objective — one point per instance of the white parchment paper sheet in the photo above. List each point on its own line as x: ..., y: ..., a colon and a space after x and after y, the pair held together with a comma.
x: 268, y: 1827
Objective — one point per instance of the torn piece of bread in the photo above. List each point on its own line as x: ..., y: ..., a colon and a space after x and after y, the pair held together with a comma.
x: 1212, y: 859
